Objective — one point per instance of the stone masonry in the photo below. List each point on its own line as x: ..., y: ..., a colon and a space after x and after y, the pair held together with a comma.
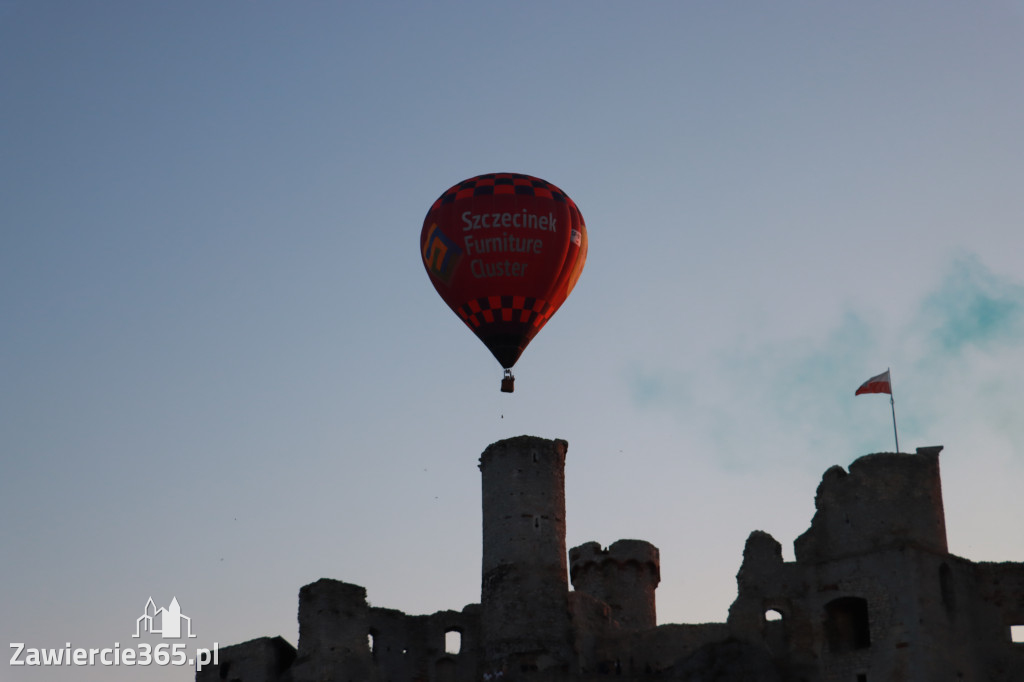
x: 873, y: 595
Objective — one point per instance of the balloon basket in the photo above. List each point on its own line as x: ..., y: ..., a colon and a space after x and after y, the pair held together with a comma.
x: 508, y: 382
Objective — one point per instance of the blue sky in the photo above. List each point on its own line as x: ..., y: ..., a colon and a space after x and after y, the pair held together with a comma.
x: 225, y: 374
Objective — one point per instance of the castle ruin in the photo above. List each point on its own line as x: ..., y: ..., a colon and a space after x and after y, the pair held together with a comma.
x: 874, y: 595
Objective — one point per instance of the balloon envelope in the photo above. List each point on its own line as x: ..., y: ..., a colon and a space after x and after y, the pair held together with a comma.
x: 504, y: 250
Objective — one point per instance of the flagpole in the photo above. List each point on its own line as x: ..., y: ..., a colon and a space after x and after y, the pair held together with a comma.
x: 892, y: 403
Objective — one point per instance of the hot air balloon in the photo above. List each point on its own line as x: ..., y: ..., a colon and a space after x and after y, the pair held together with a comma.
x: 504, y: 250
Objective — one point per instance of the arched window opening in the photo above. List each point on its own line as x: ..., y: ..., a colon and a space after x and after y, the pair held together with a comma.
x: 846, y: 624
x: 452, y: 642
x: 776, y: 634
x: 375, y: 643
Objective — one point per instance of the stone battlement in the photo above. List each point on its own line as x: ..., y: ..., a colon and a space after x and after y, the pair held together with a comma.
x: 620, y: 553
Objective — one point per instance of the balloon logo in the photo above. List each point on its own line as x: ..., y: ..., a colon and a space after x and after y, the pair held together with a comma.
x: 504, y: 250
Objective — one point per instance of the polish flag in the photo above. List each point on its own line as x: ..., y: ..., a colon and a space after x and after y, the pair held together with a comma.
x: 878, y: 384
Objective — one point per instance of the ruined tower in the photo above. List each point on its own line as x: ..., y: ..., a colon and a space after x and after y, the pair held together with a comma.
x: 332, y: 631
x: 525, y: 621
x: 886, y: 500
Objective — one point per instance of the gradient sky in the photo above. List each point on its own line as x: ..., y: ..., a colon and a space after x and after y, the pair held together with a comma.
x: 224, y: 373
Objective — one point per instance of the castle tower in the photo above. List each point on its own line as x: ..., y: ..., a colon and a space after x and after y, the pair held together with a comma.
x: 624, y: 577
x: 333, y: 629
x: 886, y: 500
x: 524, y: 594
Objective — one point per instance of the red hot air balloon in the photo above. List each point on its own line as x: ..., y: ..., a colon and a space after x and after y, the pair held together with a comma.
x: 504, y: 250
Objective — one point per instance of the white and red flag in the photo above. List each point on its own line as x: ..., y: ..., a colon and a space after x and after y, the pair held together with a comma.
x: 878, y: 384
x: 882, y: 384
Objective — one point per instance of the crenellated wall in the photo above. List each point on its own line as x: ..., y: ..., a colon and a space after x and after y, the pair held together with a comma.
x: 624, y: 576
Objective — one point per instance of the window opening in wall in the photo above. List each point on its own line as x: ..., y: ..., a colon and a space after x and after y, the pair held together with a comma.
x: 862, y: 678
x: 1017, y: 634
x: 452, y: 642
x: 846, y: 624
x: 369, y: 642
x: 776, y: 634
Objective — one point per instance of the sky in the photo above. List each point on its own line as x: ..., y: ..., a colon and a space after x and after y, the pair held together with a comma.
x: 224, y: 373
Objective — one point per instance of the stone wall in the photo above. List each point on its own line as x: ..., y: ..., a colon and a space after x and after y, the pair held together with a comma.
x: 259, y: 660
x: 885, y: 500
x: 873, y: 595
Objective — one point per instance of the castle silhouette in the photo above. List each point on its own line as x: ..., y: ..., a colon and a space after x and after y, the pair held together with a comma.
x: 873, y: 595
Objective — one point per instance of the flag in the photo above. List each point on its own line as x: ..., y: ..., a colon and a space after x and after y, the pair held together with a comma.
x: 878, y: 384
